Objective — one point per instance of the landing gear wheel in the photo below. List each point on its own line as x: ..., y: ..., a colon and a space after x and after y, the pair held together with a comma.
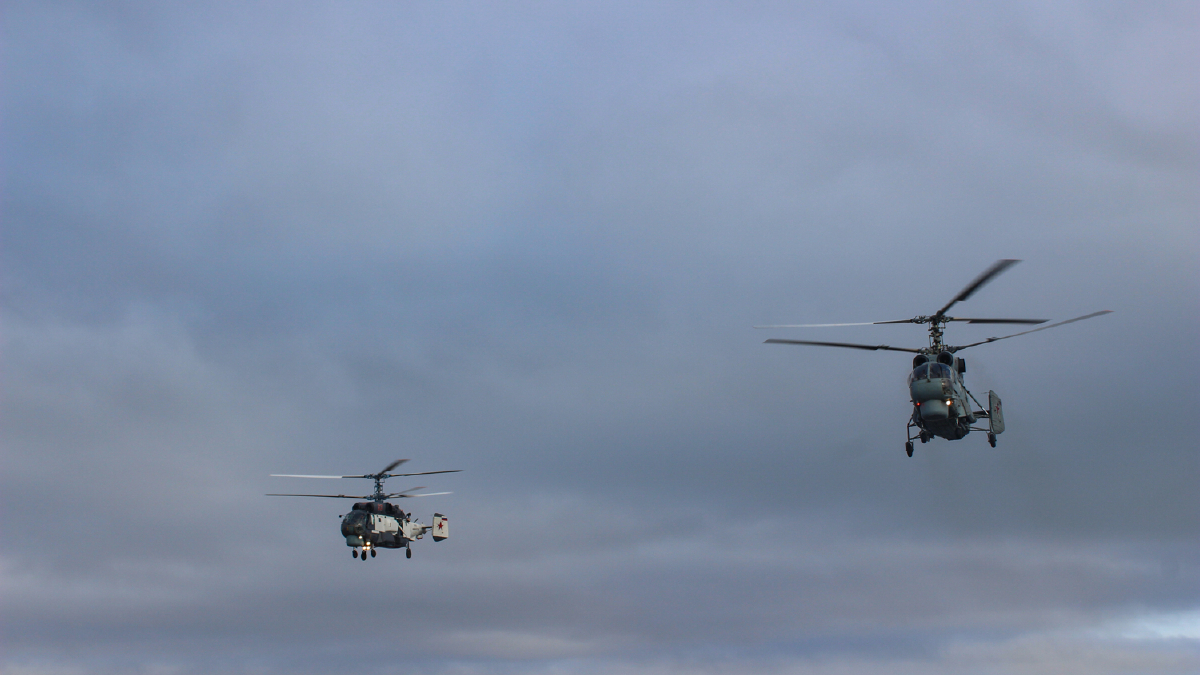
x: 908, y: 448
x: 354, y: 553
x: 363, y: 557
x: 407, y: 552
x: 992, y: 439
x: 372, y: 553
x: 924, y: 436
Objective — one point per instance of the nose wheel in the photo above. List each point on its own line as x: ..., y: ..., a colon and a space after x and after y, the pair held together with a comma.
x: 407, y: 552
x: 908, y: 447
x: 992, y: 439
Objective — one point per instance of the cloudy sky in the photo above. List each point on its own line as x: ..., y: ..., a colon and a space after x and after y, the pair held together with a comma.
x: 530, y: 241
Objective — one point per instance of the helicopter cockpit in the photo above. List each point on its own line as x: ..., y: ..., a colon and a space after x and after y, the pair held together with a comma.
x: 931, y: 371
x: 355, y: 523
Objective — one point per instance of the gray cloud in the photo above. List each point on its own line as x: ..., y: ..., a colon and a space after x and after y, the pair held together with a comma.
x: 529, y: 242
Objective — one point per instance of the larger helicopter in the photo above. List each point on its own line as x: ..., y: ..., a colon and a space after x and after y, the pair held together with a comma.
x: 378, y: 523
x: 941, y: 401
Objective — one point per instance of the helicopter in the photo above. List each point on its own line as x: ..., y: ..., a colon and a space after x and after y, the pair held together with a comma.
x: 378, y: 523
x: 941, y: 401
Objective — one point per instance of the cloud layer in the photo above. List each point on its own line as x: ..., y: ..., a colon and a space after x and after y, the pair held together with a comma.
x: 530, y: 242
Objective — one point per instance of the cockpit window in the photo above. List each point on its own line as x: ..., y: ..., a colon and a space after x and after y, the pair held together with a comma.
x: 930, y: 370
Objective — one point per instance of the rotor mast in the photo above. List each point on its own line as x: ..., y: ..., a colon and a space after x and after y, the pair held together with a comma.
x: 379, y: 495
x: 937, y: 324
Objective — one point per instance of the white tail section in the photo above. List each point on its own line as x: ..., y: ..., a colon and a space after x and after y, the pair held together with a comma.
x: 441, y: 527
x: 995, y: 413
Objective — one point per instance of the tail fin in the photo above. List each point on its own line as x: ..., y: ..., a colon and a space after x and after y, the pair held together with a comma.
x: 995, y: 413
x: 441, y: 527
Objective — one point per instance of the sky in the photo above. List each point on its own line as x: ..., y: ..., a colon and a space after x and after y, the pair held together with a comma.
x: 530, y: 240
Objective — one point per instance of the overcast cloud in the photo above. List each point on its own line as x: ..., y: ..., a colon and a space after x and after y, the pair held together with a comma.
x: 529, y: 240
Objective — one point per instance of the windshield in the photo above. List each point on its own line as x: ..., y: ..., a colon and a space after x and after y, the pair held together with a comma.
x: 355, y: 523
x: 930, y: 370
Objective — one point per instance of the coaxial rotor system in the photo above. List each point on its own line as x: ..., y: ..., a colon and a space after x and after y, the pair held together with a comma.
x: 937, y: 322
x: 378, y: 495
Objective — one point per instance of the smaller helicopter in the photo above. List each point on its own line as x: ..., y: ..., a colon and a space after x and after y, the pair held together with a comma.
x: 378, y: 523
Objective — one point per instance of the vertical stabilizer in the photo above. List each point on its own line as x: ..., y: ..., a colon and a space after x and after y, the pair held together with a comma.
x: 441, y: 527
x: 995, y: 413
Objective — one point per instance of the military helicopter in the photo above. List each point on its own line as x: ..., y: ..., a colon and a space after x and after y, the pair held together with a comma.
x: 379, y: 523
x: 941, y: 402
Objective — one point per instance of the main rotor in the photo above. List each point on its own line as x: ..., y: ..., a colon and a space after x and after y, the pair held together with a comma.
x: 378, y: 495
x: 937, y: 321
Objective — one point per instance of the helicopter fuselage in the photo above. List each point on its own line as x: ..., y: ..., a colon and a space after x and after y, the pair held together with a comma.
x: 385, y: 525
x: 941, y: 402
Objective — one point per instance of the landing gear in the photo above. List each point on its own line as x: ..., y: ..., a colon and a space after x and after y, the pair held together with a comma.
x: 407, y: 552
x: 354, y: 553
x: 992, y: 439
x: 372, y: 553
x: 922, y: 434
x: 363, y: 557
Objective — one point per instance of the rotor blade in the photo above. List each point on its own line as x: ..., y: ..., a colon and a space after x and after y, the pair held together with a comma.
x: 423, y: 473
x: 332, y: 496
x: 831, y: 325
x: 1053, y: 325
x: 988, y: 274
x: 393, y: 465
x: 412, y: 489
x: 1025, y: 321
x: 401, y: 495
x: 295, y: 475
x: 841, y: 344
